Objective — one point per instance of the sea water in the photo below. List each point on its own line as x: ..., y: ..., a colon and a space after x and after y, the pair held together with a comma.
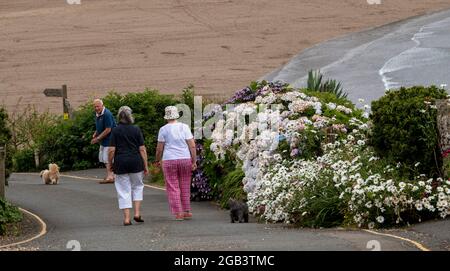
x: 426, y: 63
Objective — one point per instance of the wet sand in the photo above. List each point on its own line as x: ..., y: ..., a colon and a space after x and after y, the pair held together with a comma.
x: 128, y: 45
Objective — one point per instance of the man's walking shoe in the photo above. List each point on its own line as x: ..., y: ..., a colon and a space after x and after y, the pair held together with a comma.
x: 106, y: 181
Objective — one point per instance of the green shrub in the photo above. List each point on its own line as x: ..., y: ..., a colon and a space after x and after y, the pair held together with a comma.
x: 80, y: 165
x: 232, y: 187
x: 23, y: 161
x: 224, y: 176
x: 8, y: 215
x: 68, y: 142
x: 324, y: 206
x: 405, y: 128
x: 216, y: 169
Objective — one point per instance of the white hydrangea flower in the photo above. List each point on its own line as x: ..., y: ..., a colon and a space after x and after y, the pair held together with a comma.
x: 290, y: 96
x: 331, y: 106
x: 344, y: 109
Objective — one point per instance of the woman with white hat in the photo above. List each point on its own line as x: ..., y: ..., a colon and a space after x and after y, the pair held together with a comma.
x: 176, y: 147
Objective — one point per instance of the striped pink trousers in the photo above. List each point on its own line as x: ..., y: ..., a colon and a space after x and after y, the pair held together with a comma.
x: 178, y: 174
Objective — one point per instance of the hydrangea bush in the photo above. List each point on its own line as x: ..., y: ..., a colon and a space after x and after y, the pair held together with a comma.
x: 286, y: 124
x: 306, y: 160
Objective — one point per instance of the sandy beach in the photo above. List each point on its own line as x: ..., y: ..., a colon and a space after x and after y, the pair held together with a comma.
x: 219, y: 46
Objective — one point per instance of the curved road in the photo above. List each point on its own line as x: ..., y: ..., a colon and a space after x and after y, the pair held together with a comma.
x: 83, y: 210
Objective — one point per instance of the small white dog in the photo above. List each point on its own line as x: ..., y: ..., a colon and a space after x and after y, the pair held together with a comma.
x: 50, y: 175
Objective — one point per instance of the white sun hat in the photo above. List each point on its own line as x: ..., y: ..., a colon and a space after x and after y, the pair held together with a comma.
x: 171, y: 113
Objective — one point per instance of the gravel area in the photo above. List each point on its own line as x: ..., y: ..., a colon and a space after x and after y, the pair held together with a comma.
x: 28, y: 228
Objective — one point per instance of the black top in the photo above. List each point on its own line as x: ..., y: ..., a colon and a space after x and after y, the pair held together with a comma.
x: 127, y: 139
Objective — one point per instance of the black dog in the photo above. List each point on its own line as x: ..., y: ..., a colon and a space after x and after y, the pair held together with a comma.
x: 238, y: 211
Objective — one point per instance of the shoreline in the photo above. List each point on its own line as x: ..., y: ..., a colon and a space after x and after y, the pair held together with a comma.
x: 360, y: 58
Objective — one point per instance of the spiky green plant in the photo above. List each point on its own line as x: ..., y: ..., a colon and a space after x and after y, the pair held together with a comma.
x: 315, y: 83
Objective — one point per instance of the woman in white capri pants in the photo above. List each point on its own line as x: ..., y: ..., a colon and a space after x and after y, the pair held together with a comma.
x: 128, y: 156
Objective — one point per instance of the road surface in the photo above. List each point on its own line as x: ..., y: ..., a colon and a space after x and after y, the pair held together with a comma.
x: 81, y: 209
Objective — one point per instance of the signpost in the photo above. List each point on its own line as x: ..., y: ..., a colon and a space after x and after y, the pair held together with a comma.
x: 53, y: 92
x: 60, y: 92
x: 2, y: 172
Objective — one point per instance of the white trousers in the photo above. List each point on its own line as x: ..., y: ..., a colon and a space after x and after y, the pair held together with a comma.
x: 129, y: 188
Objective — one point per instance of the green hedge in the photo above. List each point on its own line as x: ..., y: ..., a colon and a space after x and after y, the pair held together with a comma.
x: 24, y: 161
x: 405, y: 128
x: 68, y: 142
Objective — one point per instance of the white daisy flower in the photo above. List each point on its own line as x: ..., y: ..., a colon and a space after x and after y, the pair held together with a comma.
x: 380, y: 219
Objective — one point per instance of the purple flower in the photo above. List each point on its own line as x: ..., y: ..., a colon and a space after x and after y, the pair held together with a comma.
x: 200, y: 188
x: 243, y: 95
x: 247, y: 94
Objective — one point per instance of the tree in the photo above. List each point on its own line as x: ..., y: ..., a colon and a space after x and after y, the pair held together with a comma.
x: 28, y: 130
x: 5, y: 139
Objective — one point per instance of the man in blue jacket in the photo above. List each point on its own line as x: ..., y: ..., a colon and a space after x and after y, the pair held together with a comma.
x: 104, y: 123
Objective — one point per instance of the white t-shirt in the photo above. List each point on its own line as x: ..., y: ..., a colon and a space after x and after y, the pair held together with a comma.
x: 174, y: 136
